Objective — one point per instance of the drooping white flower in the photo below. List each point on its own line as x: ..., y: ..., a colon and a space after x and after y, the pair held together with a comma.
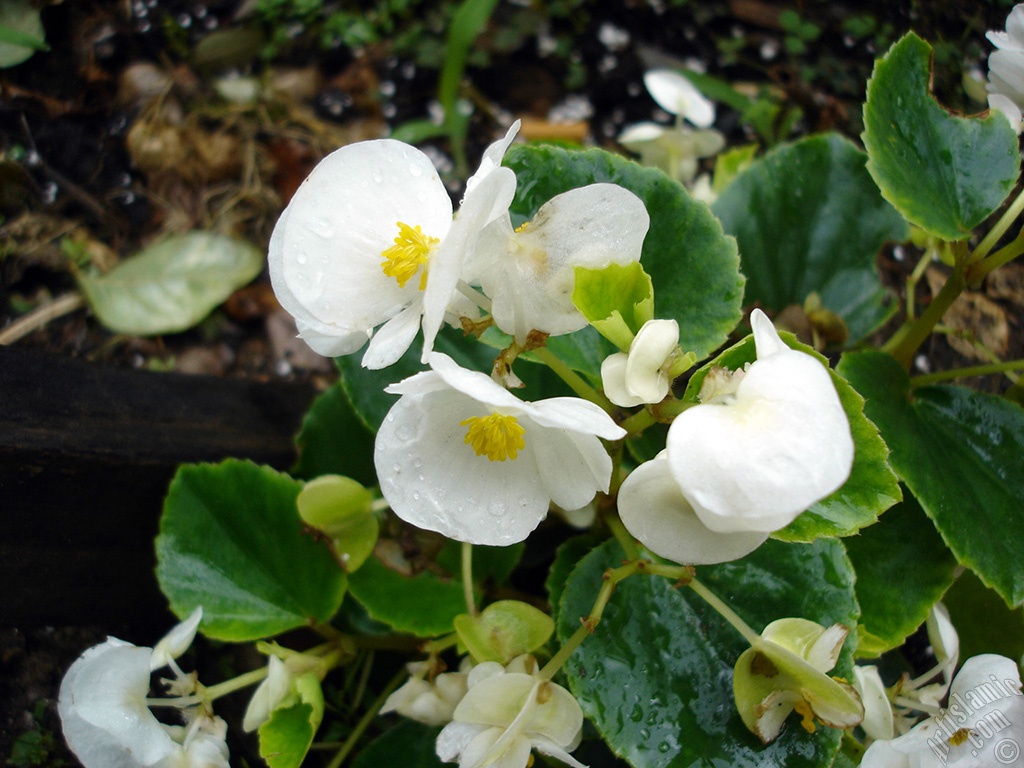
x: 642, y: 374
x: 177, y: 641
x: 461, y: 455
x: 282, y: 675
x: 765, y: 443
x: 369, y: 239
x: 429, y: 701
x: 982, y: 726
x: 528, y: 272
x: 107, y: 722
x: 506, y: 713
x: 1006, y: 68
x: 654, y: 510
x: 676, y: 150
x: 878, y: 720
x: 677, y: 95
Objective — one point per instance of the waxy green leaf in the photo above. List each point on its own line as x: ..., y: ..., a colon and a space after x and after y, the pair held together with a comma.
x: 943, y: 172
x: 616, y: 300
x: 807, y: 217
x: 961, y: 453
x: 694, y: 266
x: 334, y: 441
x: 231, y: 540
x: 902, y: 568
x: 171, y: 286
x: 285, y: 738
x: 408, y: 745
x: 655, y: 677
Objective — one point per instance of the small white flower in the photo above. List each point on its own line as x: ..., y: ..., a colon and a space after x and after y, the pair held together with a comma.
x: 107, y: 722
x: 505, y: 714
x: 642, y: 375
x: 528, y: 273
x: 177, y: 641
x: 369, y: 238
x: 281, y: 675
x: 982, y: 726
x: 675, y: 150
x: 764, y: 444
x: 1006, y: 68
x: 878, y: 720
x: 461, y: 455
x: 432, y: 702
x: 677, y: 95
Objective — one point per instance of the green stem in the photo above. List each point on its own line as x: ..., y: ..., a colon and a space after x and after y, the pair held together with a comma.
x: 475, y: 296
x: 1008, y: 217
x: 440, y: 644
x: 639, y: 421
x: 963, y: 373
x: 979, y: 271
x: 623, y: 536
x: 909, y: 338
x: 726, y: 612
x: 237, y: 683
x: 576, y: 382
x: 467, y: 577
x: 912, y: 281
x: 366, y: 719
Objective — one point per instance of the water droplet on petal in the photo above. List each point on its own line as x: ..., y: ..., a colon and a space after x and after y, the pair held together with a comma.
x: 302, y: 258
x: 396, y: 467
x: 324, y: 228
x: 378, y: 177
x: 415, y: 170
x: 496, y: 508
x: 405, y: 432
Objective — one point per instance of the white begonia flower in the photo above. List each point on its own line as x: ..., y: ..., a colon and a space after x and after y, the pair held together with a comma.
x: 982, y: 727
x: 765, y: 443
x: 431, y: 702
x: 528, y: 272
x: 281, y: 674
x: 506, y: 713
x: 656, y: 513
x: 108, y: 724
x: 461, y: 455
x: 369, y: 239
x: 878, y: 720
x: 641, y: 375
x: 1006, y: 68
x: 177, y: 641
x: 677, y: 95
x: 675, y: 150
x: 944, y: 639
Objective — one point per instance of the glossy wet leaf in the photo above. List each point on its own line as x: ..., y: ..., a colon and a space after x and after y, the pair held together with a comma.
x: 807, y: 217
x: 285, y: 738
x: 171, y: 286
x: 231, y: 540
x: 334, y: 441
x: 903, y: 568
x: 872, y: 486
x: 961, y: 453
x: 982, y: 620
x: 943, y: 172
x: 694, y: 266
x: 655, y: 677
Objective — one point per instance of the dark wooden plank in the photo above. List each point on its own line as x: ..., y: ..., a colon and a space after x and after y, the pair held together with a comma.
x: 86, y: 453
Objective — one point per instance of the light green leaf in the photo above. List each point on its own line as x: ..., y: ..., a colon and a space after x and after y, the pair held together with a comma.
x: 504, y: 630
x: 21, y: 32
x: 902, y: 570
x: 943, y: 172
x: 171, y: 286
x: 694, y: 266
x: 961, y: 453
x: 872, y: 486
x: 655, y: 677
x: 616, y: 300
x: 728, y: 165
x: 807, y: 217
x: 231, y: 540
x: 285, y: 738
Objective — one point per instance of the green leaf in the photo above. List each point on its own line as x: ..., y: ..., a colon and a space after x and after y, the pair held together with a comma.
x: 807, y: 217
x: 466, y: 23
x: 424, y: 604
x: 693, y: 265
x: 566, y: 558
x: 616, y: 300
x: 343, y: 510
x: 961, y: 453
x: 171, y: 286
x: 408, y: 745
x: 285, y: 738
x: 21, y: 32
x: 504, y: 630
x: 728, y: 165
x: 231, y: 540
x: 655, y: 677
x: 872, y: 486
x: 982, y: 620
x: 902, y: 568
x: 334, y: 441
x: 943, y: 172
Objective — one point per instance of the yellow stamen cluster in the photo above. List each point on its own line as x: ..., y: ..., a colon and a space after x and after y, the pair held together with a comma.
x: 411, y: 251
x: 495, y: 436
x: 804, y: 710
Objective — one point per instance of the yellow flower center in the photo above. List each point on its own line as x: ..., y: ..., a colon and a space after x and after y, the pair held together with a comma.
x: 804, y: 710
x: 959, y: 737
x: 495, y: 436
x: 411, y: 251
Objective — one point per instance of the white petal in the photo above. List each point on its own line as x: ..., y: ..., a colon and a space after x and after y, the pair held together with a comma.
x: 766, y: 338
x: 492, y: 158
x: 547, y: 748
x: 878, y: 722
x: 330, y: 343
x: 393, y: 338
x: 943, y: 637
x: 474, y: 384
x: 1004, y: 104
x: 576, y: 414
x: 267, y: 695
x: 326, y: 255
x: 654, y: 510
x: 177, y: 641
x: 613, y: 379
x: 102, y: 706
x: 1008, y: 67
x: 648, y: 353
x: 453, y: 740
x: 881, y: 755
x: 676, y: 94
x: 641, y: 133
x: 572, y: 467
x: 433, y: 480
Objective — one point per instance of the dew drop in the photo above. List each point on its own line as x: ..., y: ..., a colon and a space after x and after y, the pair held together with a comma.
x: 415, y: 170
x: 378, y: 177
x: 405, y: 432
x: 396, y: 467
x: 415, y: 495
x: 301, y: 258
x: 418, y: 464
x: 637, y: 714
x: 496, y: 508
x: 421, y: 196
x: 664, y: 747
